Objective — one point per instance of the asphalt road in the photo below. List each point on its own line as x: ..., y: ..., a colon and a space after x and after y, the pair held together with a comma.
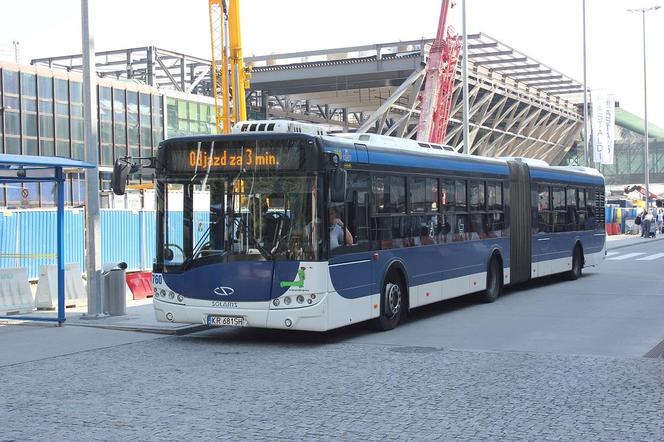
x: 553, y: 360
x: 615, y: 309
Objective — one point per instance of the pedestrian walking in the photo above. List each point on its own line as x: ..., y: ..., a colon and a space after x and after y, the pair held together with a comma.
x: 649, y: 225
x: 660, y: 221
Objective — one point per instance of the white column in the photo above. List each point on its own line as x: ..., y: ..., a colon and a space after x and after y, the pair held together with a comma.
x: 464, y: 78
x: 92, y: 228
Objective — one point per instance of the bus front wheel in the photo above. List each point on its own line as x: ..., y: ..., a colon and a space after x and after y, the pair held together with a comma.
x: 392, y: 302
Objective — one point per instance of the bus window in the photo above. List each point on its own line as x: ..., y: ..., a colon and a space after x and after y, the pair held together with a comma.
x: 356, y: 211
x: 460, y: 203
x: 382, y: 232
x: 581, y: 212
x: 381, y: 192
x: 571, y: 217
x: 423, y: 230
x: 495, y: 224
x: 476, y: 193
x: 179, y: 222
x: 444, y: 229
x: 358, y: 186
x: 216, y: 199
x: 559, y: 212
x: 389, y: 194
x: 397, y: 194
x: 339, y: 233
x: 544, y: 209
x: 447, y: 195
x: 423, y: 195
x: 494, y: 193
x: 461, y: 227
x: 477, y: 226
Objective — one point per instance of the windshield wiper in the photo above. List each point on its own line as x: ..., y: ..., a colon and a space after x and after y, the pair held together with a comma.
x: 199, y: 246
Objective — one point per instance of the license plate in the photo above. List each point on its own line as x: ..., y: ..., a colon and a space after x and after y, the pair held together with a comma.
x: 220, y: 321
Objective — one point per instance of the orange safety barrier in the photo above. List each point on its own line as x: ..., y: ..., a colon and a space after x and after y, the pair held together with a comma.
x: 140, y: 284
x: 613, y: 229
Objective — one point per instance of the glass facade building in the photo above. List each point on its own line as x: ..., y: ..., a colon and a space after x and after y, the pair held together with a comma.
x: 41, y: 113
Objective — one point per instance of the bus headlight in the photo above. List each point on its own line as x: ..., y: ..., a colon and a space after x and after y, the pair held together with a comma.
x: 180, y: 298
x: 297, y: 301
x: 171, y: 295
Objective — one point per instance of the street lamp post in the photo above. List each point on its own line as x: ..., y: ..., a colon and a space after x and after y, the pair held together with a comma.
x: 585, y: 95
x: 92, y: 226
x: 464, y: 80
x: 645, y: 99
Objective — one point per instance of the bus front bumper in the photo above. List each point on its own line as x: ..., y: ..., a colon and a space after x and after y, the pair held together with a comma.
x: 253, y: 314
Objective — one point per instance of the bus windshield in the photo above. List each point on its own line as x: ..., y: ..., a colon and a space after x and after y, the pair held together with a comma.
x: 240, y: 216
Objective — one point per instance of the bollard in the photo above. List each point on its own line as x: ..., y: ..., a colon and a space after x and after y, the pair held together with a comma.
x: 114, y: 301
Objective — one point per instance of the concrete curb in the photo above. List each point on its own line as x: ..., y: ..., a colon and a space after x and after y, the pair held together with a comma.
x: 635, y: 243
x: 185, y: 330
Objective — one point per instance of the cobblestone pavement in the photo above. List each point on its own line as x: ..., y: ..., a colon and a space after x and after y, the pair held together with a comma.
x: 210, y: 386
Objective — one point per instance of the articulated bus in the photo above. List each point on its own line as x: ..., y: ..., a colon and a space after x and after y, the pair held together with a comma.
x: 280, y: 225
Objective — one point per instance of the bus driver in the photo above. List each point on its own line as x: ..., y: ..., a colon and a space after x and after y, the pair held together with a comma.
x: 339, y: 235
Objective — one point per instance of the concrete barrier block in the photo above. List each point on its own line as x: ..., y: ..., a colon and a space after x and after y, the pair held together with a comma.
x: 46, y: 297
x: 15, y: 294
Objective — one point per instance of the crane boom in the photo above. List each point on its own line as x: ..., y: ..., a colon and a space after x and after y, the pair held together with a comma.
x: 226, y: 44
x: 436, y: 99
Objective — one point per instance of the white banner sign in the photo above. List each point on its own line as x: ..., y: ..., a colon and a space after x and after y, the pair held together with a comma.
x: 603, y: 126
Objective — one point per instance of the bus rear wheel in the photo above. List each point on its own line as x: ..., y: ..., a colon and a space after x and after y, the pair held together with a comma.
x: 494, y: 282
x: 577, y: 265
x: 392, y: 302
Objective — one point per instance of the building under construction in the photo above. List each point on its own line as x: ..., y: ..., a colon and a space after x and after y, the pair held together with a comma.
x: 518, y: 106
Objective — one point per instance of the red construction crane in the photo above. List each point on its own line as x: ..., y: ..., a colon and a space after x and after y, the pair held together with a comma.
x: 436, y: 100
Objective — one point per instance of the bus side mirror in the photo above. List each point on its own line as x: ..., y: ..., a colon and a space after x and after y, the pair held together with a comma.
x: 121, y: 170
x: 337, y: 185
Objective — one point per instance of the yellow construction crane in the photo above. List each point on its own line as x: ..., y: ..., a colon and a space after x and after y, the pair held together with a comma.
x: 225, y: 38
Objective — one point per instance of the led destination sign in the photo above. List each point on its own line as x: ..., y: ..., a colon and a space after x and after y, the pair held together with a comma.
x: 235, y: 159
x: 189, y: 158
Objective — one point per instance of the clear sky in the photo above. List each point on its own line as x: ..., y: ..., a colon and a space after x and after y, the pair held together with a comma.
x: 547, y: 30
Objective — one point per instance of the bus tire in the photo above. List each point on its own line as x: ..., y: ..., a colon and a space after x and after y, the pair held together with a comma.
x: 392, y: 303
x: 494, y: 282
x: 577, y: 264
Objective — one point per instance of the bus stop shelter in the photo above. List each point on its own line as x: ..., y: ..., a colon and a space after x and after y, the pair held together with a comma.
x: 19, y: 169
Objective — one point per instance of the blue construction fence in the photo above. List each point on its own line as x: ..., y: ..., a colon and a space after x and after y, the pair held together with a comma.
x: 28, y: 237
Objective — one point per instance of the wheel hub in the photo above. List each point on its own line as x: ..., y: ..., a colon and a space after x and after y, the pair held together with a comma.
x: 393, y: 299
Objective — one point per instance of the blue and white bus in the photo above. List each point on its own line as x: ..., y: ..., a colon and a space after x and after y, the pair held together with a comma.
x: 279, y: 225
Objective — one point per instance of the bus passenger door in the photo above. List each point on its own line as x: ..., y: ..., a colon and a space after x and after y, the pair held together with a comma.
x: 350, y: 255
x: 542, y: 230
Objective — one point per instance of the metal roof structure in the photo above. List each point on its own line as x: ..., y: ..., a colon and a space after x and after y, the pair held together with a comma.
x: 190, y: 74
x: 497, y: 57
x: 148, y: 64
x: 519, y: 106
